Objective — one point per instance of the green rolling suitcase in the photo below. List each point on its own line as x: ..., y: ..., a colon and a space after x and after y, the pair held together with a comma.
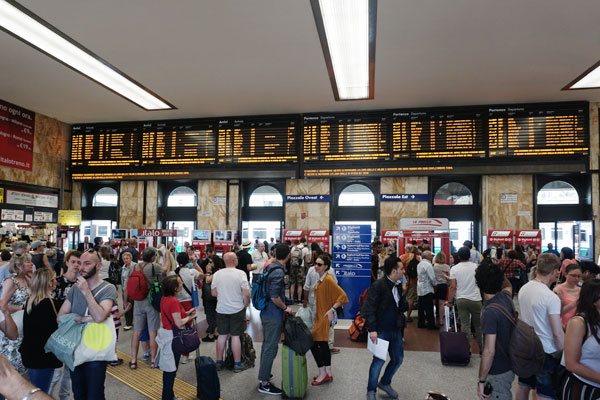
x: 294, y: 374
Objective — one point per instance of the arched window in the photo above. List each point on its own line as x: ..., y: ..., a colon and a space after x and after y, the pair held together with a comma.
x: 182, y: 196
x: 356, y: 195
x: 557, y: 192
x: 453, y: 194
x: 106, y: 197
x: 266, y: 196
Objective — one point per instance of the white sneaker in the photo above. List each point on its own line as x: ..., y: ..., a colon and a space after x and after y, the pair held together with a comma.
x: 185, y: 359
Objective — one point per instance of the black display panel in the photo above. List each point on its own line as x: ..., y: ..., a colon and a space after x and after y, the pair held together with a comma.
x: 345, y: 137
x: 258, y: 140
x: 538, y: 130
x: 179, y: 143
x: 449, y: 133
x: 105, y: 145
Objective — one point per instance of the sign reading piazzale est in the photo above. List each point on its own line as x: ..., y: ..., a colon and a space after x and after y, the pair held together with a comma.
x: 17, y: 126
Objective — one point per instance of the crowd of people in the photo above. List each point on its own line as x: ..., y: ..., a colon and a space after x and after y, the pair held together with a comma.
x: 160, y: 288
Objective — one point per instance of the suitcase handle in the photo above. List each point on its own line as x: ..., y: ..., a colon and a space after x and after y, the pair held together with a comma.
x: 447, y: 318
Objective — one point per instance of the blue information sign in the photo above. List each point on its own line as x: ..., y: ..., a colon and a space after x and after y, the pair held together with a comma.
x: 404, y: 197
x: 308, y: 198
x: 352, y: 262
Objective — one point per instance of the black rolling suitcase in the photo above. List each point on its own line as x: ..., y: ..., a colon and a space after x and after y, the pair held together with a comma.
x: 454, y: 346
x: 208, y: 385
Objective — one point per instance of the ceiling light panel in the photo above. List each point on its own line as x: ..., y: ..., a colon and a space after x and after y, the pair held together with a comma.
x: 347, y: 29
x: 590, y: 79
x: 22, y: 23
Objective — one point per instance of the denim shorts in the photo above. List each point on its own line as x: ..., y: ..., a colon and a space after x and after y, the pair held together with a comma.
x: 542, y: 382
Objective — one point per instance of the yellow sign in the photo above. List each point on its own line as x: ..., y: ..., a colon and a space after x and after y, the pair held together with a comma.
x: 69, y: 217
x: 1, y: 195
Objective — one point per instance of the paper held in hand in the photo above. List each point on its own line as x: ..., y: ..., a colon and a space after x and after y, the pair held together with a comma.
x: 380, y: 349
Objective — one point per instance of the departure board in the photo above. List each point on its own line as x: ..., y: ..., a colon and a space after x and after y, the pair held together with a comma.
x: 447, y: 133
x: 345, y: 137
x: 179, y: 143
x: 257, y: 140
x: 105, y: 145
x: 538, y: 130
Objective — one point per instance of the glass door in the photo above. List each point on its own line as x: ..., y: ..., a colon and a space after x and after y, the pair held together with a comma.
x: 185, y: 229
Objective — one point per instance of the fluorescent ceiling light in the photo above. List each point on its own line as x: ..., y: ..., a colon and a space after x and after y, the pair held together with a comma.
x: 347, y: 29
x: 28, y: 27
x: 590, y: 79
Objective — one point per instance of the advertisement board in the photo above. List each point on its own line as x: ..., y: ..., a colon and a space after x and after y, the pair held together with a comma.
x: 17, y: 127
x: 293, y: 234
x: 526, y: 237
x: 500, y: 235
x: 69, y: 217
x: 429, y: 224
x: 31, y: 199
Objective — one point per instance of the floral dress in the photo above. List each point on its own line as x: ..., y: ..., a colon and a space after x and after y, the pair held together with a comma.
x: 10, y: 348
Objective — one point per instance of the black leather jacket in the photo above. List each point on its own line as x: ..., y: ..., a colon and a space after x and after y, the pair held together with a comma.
x: 380, y: 310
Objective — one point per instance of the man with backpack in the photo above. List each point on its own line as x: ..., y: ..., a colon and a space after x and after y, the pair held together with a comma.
x: 540, y: 308
x: 271, y: 317
x: 140, y: 282
x: 495, y: 365
x: 230, y: 287
x: 298, y: 256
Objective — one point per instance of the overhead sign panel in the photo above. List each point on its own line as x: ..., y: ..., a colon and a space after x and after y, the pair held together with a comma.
x: 426, y: 224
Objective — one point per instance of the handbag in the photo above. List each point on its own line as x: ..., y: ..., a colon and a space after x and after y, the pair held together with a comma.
x: 98, y: 340
x: 185, y: 340
x: 65, y: 339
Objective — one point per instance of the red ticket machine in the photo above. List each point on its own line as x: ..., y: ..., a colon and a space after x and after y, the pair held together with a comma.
x: 406, y: 237
x: 500, y: 235
x: 201, y: 239
x: 319, y: 236
x: 525, y: 237
x: 224, y: 241
x: 293, y: 235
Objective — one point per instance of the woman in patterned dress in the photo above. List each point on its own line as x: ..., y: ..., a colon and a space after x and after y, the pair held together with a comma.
x: 15, y: 291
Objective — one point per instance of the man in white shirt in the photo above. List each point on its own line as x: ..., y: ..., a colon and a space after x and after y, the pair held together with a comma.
x: 468, y: 295
x: 259, y: 258
x: 540, y: 308
x: 230, y: 287
x: 425, y: 284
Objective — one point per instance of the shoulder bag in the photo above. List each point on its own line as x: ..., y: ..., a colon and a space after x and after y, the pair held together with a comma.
x: 186, y: 339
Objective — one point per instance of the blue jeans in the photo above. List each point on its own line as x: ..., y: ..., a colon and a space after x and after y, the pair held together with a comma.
x: 396, y: 350
x: 41, y: 378
x: 542, y: 382
x: 272, y: 333
x: 169, y: 379
x: 88, y: 380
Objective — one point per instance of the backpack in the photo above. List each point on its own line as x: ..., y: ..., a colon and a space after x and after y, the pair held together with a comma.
x: 259, y: 290
x: 525, y: 352
x: 296, y: 335
x: 137, y: 287
x: 411, y: 270
x: 358, y: 331
x: 156, y: 293
x: 362, y: 298
x: 296, y: 257
x: 248, y: 353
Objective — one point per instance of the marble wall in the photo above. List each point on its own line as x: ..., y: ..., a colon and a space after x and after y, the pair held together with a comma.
x: 307, y: 215
x: 498, y: 215
x: 594, y: 153
x: 392, y: 211
x: 51, y: 143
x: 151, y: 204
x: 131, y: 205
x: 211, y: 207
x: 75, y: 203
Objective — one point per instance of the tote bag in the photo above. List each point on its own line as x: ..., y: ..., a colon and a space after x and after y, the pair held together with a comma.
x: 63, y: 342
x: 98, y: 340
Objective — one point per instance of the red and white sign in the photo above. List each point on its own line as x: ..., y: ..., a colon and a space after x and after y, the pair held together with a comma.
x: 389, y: 236
x: 429, y: 224
x: 31, y: 199
x: 500, y: 235
x: 156, y: 232
x: 320, y: 236
x: 529, y: 236
x: 39, y: 216
x: 293, y: 234
x: 12, y: 215
x: 17, y: 126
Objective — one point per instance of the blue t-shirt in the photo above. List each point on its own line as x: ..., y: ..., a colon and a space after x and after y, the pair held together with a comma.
x: 275, y: 288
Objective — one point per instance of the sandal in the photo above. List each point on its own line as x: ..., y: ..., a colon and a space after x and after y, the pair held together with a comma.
x: 132, y: 365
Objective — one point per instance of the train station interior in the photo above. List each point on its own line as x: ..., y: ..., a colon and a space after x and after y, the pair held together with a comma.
x: 216, y: 122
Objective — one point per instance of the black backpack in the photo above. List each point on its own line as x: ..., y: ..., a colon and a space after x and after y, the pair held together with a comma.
x: 248, y: 353
x: 411, y: 269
